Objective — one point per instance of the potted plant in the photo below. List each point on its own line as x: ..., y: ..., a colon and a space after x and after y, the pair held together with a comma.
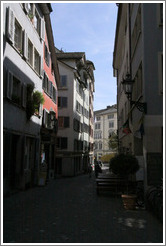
x: 126, y: 165
x: 37, y: 100
x: 34, y: 99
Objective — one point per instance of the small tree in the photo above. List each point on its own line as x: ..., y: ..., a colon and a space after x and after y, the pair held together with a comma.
x: 124, y: 165
x: 107, y: 158
x: 113, y: 141
x: 34, y: 99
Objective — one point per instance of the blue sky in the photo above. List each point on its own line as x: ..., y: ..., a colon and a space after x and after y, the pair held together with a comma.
x: 90, y: 28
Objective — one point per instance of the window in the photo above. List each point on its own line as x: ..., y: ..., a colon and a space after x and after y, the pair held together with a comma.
x: 63, y: 81
x: 62, y: 143
x: 37, y: 62
x: 97, y: 126
x: 30, y: 52
x: 111, y: 124
x: 18, y: 36
x: 77, y: 125
x: 111, y: 116
x: 49, y: 119
x: 15, y: 90
x: 79, y: 108
x: 98, y: 118
x: 64, y: 121
x: 78, y: 145
x: 36, y: 21
x: 100, y: 145
x: 45, y: 82
x: 62, y: 102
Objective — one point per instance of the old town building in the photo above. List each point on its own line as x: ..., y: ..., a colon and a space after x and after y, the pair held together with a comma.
x: 138, y: 66
x: 23, y: 43
x: 104, y: 126
x: 74, y: 95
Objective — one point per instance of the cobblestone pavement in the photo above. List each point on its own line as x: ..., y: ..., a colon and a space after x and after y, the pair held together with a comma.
x: 68, y: 210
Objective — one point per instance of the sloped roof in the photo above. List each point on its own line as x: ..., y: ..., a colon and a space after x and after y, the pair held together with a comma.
x: 70, y: 55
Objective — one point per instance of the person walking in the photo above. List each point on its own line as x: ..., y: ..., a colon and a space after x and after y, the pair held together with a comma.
x: 90, y: 170
x: 97, y: 169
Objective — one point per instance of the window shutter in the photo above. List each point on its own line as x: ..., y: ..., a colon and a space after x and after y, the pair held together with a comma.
x: 49, y: 56
x: 10, y: 25
x: 24, y: 95
x: 44, y: 118
x: 42, y: 29
x: 9, y: 85
x: 48, y: 120
x: 25, y: 48
x: 51, y: 89
x: 41, y: 66
x: 26, y: 7
x: 40, y: 110
x: 44, y: 80
x: 35, y: 22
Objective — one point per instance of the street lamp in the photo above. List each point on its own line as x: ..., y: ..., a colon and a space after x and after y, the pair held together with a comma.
x: 128, y: 88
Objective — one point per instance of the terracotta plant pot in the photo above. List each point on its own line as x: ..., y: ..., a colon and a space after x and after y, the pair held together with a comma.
x: 129, y: 201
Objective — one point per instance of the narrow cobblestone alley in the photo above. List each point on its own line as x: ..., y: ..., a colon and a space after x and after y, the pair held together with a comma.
x: 68, y: 210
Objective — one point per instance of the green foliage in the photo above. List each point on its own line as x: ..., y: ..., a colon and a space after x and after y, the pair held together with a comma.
x: 113, y: 142
x: 123, y: 164
x: 37, y: 99
x: 107, y: 158
x: 34, y: 99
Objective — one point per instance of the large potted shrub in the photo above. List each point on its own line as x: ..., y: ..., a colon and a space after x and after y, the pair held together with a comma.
x: 126, y: 165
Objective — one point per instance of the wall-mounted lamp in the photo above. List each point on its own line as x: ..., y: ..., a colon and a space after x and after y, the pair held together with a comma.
x: 128, y: 88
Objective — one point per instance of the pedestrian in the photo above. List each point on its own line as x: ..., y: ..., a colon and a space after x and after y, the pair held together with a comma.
x: 90, y: 170
x: 97, y: 169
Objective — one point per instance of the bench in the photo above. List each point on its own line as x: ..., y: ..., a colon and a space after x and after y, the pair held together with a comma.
x: 110, y: 183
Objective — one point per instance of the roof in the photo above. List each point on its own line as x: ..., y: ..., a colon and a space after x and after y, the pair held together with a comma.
x: 109, y: 109
x: 90, y: 63
x: 46, y: 8
x: 70, y: 55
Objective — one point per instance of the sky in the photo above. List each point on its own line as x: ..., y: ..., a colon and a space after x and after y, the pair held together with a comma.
x: 90, y: 28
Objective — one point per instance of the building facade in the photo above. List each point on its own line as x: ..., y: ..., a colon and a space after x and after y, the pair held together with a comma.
x: 76, y: 81
x: 104, y: 126
x: 23, y: 39
x: 50, y: 107
x: 138, y: 55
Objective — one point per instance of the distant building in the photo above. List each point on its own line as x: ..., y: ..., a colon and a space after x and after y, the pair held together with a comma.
x: 75, y: 100
x: 105, y: 124
x: 138, y: 57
